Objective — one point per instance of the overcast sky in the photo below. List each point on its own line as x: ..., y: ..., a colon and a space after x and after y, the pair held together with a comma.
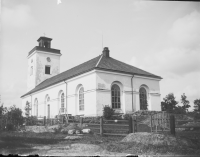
x: 162, y: 38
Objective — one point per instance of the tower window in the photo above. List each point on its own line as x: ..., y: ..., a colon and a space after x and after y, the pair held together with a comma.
x: 47, y: 69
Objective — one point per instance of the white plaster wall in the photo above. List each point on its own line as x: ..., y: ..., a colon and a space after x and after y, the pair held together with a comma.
x: 153, y: 86
x: 88, y: 81
x: 71, y: 103
x: 156, y: 102
x: 104, y: 97
x: 31, y: 78
x: 39, y: 61
x: 94, y: 98
x: 42, y: 62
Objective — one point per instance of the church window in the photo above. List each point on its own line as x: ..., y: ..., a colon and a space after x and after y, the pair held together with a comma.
x: 115, y: 94
x: 81, y: 99
x: 47, y: 69
x: 62, y: 102
x: 143, y: 99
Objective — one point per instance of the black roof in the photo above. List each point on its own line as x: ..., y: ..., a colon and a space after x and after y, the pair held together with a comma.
x: 104, y: 63
x: 44, y: 49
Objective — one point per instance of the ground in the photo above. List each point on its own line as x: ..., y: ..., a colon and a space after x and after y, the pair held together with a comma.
x: 25, y: 143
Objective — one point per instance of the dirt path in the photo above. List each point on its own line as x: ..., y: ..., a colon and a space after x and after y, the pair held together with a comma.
x: 77, y: 149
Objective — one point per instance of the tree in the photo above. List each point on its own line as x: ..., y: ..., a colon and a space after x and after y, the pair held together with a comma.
x: 27, y: 109
x: 2, y: 111
x: 185, y: 102
x: 197, y: 105
x: 169, y: 103
x: 14, y: 117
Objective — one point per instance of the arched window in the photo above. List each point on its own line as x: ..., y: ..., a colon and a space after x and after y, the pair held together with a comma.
x: 36, y: 107
x: 62, y: 102
x: 115, y: 92
x: 81, y: 99
x: 143, y: 99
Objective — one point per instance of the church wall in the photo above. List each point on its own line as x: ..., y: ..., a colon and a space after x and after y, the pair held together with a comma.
x: 152, y: 86
x: 105, y: 80
x: 156, y: 102
x: 54, y: 102
x: 88, y: 82
x: 42, y: 61
x: 31, y: 76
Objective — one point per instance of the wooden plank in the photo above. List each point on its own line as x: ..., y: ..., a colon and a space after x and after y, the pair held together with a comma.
x: 187, y: 121
x: 188, y: 132
x: 187, y: 127
x: 91, y: 124
x: 116, y: 120
x: 115, y: 125
x: 115, y: 129
x: 114, y: 134
x: 95, y: 128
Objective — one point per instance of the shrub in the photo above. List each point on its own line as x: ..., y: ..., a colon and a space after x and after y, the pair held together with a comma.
x: 126, y: 116
x: 197, y: 116
x: 108, y: 112
x: 10, y: 127
x: 32, y: 120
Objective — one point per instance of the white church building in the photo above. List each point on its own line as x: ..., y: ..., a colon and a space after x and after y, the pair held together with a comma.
x: 88, y: 87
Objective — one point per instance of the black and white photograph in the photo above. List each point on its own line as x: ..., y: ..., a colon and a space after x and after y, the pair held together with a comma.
x: 99, y: 77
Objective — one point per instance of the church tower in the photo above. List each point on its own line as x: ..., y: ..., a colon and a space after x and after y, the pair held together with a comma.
x: 43, y: 63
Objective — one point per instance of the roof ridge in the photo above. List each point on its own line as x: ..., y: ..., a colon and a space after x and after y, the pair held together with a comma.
x: 99, y: 60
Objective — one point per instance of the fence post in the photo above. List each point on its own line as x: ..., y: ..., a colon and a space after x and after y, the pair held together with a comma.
x: 134, y: 124
x: 151, y: 123
x: 101, y: 126
x: 172, y: 125
x: 63, y: 120
x: 44, y: 120
x: 81, y: 121
x: 130, y: 124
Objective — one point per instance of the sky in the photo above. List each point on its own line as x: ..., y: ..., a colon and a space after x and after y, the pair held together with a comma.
x: 160, y: 37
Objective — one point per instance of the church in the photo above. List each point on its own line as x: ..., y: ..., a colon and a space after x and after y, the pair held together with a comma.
x: 85, y: 89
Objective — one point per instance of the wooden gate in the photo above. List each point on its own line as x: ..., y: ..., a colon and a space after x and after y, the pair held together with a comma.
x: 160, y: 122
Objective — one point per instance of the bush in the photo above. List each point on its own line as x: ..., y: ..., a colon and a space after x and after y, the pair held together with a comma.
x: 126, y: 116
x: 31, y: 120
x: 108, y: 112
x: 197, y: 116
x: 10, y: 127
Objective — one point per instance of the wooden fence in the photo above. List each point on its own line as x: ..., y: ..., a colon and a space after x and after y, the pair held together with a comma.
x: 169, y: 122
x: 158, y: 122
x: 113, y: 127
